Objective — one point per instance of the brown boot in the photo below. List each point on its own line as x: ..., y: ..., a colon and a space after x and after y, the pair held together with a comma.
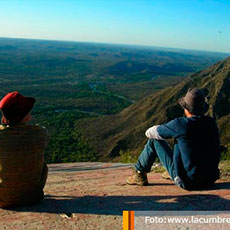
x: 138, y: 178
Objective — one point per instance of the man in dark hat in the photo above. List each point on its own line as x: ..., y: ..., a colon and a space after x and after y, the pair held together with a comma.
x: 23, y: 170
x: 194, y: 162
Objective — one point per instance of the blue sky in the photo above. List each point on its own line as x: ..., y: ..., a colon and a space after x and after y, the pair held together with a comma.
x: 189, y: 24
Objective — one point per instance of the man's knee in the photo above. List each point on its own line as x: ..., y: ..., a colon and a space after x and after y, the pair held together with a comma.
x: 150, y: 142
x: 158, y: 143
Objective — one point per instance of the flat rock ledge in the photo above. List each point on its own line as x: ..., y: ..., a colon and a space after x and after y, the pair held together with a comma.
x: 93, y: 196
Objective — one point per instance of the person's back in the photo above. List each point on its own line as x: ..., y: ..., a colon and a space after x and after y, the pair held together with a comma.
x: 198, y: 152
x: 193, y: 164
x: 23, y: 171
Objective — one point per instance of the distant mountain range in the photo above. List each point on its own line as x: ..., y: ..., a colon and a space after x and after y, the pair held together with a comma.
x: 109, y: 135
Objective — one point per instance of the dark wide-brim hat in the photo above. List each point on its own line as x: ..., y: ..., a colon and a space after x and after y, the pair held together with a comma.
x: 15, y: 107
x: 194, y: 102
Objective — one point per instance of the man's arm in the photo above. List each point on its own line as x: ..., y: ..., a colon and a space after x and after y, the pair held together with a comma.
x: 152, y: 133
x: 164, y: 131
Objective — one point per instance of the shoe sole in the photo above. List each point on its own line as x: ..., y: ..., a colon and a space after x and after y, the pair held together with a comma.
x: 134, y: 183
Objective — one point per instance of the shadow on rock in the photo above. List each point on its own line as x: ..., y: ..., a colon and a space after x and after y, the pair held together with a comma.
x: 114, y: 205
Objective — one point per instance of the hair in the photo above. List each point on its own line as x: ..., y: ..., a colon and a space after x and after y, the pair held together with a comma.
x: 14, y: 121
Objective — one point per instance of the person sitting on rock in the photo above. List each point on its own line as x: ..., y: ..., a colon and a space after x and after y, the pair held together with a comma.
x: 194, y: 162
x: 23, y: 172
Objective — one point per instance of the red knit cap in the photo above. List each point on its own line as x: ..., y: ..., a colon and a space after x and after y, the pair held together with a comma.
x: 15, y: 106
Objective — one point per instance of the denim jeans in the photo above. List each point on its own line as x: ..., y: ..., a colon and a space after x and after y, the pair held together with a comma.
x: 159, y: 148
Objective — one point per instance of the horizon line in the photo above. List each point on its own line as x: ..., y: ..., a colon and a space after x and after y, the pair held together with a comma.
x: 121, y: 44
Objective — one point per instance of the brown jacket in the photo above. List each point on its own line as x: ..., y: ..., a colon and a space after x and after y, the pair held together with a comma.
x: 23, y: 171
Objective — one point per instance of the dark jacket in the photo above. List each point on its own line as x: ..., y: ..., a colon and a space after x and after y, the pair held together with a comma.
x: 196, y: 149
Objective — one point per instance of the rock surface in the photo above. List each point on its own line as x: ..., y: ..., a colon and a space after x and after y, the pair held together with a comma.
x: 93, y: 196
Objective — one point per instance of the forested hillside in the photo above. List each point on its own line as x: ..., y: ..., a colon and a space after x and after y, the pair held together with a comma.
x: 111, y: 135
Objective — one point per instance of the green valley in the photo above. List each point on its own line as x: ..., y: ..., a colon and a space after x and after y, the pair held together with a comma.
x: 73, y: 81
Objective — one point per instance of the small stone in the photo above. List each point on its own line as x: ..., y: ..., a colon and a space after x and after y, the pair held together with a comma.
x: 67, y: 215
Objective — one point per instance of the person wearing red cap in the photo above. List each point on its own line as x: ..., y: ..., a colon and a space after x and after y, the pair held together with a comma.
x: 23, y: 172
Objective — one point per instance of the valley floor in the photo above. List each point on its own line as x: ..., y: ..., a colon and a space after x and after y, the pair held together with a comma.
x: 93, y: 196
